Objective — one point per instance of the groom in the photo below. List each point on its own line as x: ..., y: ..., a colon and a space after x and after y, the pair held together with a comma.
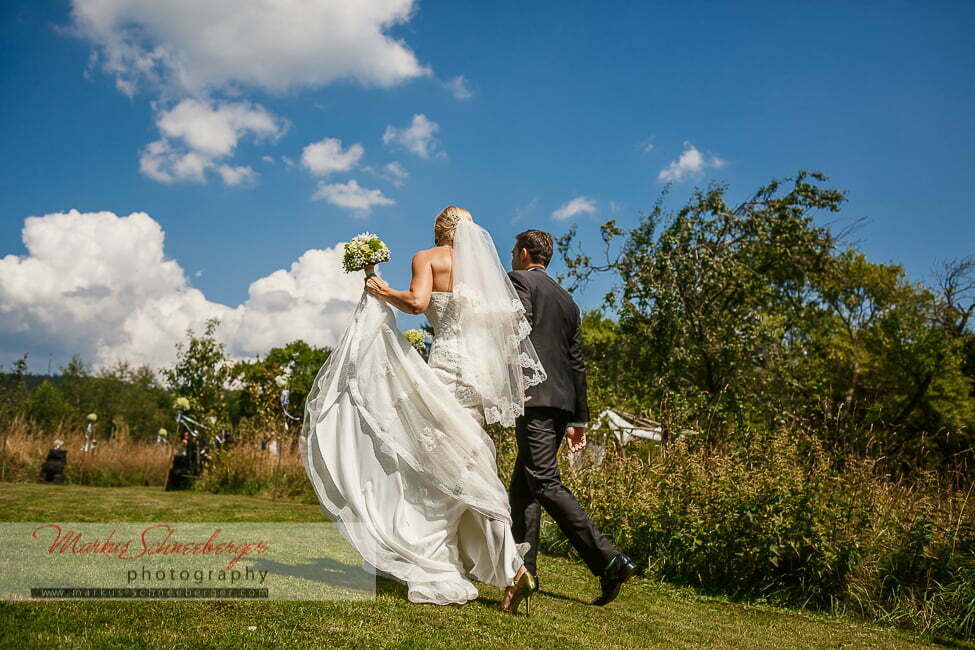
x: 557, y: 408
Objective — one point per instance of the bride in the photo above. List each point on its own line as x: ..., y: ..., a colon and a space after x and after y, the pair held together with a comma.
x: 396, y: 448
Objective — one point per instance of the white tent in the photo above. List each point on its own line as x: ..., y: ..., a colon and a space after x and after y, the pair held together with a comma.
x: 623, y: 430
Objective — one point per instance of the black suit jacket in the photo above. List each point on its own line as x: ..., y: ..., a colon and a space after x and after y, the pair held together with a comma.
x: 557, y: 337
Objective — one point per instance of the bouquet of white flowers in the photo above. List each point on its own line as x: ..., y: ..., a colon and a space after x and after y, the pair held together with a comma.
x: 364, y: 251
x: 415, y: 337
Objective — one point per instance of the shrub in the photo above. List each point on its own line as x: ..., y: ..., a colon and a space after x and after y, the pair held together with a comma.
x: 248, y: 469
x: 782, y: 521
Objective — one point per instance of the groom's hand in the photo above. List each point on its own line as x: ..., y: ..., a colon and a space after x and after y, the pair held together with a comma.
x: 577, y: 437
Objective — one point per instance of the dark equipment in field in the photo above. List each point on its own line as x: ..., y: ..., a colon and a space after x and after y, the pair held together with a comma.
x: 52, y: 471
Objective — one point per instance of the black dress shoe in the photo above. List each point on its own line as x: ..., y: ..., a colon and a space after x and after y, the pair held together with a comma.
x: 620, y: 569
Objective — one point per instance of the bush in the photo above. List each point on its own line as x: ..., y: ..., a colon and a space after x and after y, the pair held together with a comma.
x: 248, y: 469
x: 782, y: 522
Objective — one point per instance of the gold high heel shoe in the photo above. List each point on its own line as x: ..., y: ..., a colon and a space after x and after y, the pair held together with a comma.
x: 524, y: 590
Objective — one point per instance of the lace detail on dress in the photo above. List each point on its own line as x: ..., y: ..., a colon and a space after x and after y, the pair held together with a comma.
x: 446, y: 357
x: 505, y: 413
x: 458, y: 368
x: 535, y: 372
x: 429, y: 438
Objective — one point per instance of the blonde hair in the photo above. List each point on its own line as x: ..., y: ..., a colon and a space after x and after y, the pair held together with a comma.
x: 446, y: 223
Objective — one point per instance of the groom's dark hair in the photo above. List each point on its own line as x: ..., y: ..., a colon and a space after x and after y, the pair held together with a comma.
x: 537, y: 243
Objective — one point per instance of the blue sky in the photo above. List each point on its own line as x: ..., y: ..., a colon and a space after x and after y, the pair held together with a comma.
x: 535, y: 105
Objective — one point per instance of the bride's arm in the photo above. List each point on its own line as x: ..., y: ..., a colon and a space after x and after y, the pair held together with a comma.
x: 417, y: 297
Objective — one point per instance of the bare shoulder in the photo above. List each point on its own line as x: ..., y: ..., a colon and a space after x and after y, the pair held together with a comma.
x: 436, y: 252
x: 425, y: 256
x: 436, y: 259
x: 438, y: 256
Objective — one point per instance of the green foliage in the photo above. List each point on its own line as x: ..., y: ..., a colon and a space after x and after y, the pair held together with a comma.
x: 736, y: 319
x: 781, y: 521
x: 128, y: 398
x: 257, y: 397
x: 249, y: 470
x: 125, y: 397
x: 13, y: 391
x: 201, y: 373
x: 888, y: 357
x: 46, y: 406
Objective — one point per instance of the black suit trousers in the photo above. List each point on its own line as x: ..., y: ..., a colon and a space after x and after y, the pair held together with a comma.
x: 536, y: 484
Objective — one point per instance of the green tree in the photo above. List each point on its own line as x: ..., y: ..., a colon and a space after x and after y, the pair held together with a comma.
x: 13, y: 391
x: 131, y: 394
x: 201, y: 373
x: 46, y: 406
x: 888, y: 355
x: 74, y: 378
x: 259, y: 394
x: 710, y: 297
x: 742, y: 319
x: 122, y: 392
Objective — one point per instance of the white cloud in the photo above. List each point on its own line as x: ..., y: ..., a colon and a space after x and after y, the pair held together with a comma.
x: 393, y: 172
x: 116, y: 296
x: 236, y: 175
x: 196, y: 134
x: 578, y: 205
x: 351, y: 195
x: 459, y: 88
x: 525, y: 210
x: 691, y: 163
x: 326, y: 157
x: 214, y: 129
x: 419, y: 137
x: 179, y: 49
x: 187, y: 46
x: 312, y: 300
x: 397, y: 175
x: 268, y: 159
x: 161, y: 163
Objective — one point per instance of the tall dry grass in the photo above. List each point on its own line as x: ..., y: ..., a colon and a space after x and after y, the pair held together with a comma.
x: 244, y: 468
x: 114, y: 462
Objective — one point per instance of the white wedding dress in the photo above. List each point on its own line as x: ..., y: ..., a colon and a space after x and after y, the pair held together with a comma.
x: 395, y: 447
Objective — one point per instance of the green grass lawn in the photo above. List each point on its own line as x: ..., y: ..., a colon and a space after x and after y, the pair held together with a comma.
x: 647, y: 614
